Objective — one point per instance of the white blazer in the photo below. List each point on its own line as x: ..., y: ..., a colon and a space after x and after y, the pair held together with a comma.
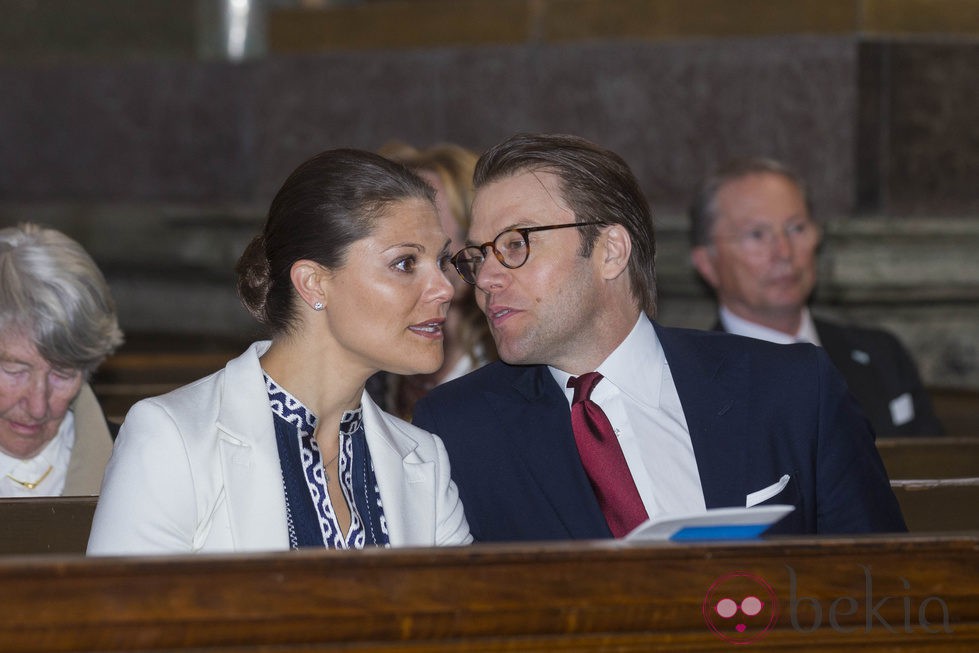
x: 197, y: 470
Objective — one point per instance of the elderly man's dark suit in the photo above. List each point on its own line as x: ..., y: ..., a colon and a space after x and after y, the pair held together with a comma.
x: 755, y: 412
x: 879, y: 371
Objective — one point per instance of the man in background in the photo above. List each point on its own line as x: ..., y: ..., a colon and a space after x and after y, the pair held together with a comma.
x: 754, y: 241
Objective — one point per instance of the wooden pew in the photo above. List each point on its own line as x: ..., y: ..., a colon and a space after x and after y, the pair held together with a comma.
x: 872, y: 594
x: 936, y: 481
x: 153, y: 364
x: 45, y: 525
x: 947, y: 457
x: 958, y: 409
x: 127, y: 378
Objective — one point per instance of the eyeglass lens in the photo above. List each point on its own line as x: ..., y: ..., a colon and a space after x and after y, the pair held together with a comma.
x: 511, y: 248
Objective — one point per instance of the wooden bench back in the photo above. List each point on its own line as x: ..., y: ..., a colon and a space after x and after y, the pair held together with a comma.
x: 958, y: 409
x: 45, y: 525
x: 872, y: 594
x: 947, y: 457
x: 936, y: 481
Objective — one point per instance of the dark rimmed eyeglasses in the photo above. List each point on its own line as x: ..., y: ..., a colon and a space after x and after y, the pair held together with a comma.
x: 511, y: 248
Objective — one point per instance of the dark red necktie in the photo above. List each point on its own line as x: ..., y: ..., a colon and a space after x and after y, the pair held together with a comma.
x: 603, y: 459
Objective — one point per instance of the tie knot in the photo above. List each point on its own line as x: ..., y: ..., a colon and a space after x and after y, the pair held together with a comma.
x: 583, y: 385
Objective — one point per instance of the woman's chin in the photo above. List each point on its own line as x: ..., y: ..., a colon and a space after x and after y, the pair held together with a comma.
x: 417, y: 367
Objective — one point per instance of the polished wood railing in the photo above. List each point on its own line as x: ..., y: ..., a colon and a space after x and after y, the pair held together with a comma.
x: 908, y: 593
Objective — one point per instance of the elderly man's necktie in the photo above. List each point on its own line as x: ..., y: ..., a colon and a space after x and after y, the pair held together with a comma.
x: 603, y: 459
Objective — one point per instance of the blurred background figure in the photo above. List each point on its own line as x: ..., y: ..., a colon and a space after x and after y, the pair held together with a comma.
x: 754, y: 241
x: 448, y: 168
x: 57, y: 324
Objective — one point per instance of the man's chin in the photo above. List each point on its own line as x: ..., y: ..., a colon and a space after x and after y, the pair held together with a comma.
x: 511, y: 357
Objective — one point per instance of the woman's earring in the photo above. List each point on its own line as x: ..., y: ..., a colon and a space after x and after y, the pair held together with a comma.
x: 318, y: 306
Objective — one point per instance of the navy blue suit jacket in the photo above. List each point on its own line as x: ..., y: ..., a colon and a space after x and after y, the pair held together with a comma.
x: 755, y: 412
x: 878, y: 370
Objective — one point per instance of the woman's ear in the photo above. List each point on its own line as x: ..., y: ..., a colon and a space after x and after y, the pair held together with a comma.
x: 307, y: 278
x: 616, y: 248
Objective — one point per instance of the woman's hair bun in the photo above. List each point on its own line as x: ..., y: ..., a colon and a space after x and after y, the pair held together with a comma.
x: 253, y: 278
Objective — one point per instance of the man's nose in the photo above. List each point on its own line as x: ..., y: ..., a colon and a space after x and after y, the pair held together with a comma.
x: 782, y: 245
x: 492, y: 274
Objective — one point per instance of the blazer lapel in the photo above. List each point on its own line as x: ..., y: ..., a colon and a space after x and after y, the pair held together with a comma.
x: 407, y: 482
x: 709, y: 381
x: 249, y: 458
x: 536, y: 422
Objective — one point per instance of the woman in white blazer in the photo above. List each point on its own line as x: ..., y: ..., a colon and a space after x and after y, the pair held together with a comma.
x: 283, y: 449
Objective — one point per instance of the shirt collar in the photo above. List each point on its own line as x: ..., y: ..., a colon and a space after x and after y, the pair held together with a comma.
x: 635, y: 367
x: 286, y: 406
x: 742, y: 327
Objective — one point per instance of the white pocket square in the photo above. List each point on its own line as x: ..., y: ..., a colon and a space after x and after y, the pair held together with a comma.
x: 764, y: 494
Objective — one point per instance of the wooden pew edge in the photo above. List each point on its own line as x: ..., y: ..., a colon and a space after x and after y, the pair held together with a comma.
x: 579, y: 595
x: 508, y: 551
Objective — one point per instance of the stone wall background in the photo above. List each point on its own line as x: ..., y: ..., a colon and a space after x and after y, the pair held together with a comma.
x: 121, y: 127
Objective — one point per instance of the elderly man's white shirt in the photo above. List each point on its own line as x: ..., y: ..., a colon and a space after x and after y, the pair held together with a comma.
x: 742, y: 327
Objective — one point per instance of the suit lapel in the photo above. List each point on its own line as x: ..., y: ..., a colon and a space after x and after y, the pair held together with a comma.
x: 249, y: 457
x: 709, y: 381
x: 536, y: 422
x: 845, y: 356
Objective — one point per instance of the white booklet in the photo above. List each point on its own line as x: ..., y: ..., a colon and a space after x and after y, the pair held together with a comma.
x: 714, y: 524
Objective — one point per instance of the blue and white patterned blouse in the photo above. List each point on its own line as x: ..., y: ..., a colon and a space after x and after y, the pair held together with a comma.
x: 309, y: 512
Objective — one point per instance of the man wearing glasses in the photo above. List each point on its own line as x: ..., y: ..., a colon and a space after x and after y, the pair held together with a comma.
x: 754, y: 242
x: 598, y: 417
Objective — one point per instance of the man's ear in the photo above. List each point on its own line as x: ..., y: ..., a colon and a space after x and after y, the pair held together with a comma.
x: 616, y: 247
x: 307, y: 278
x: 702, y: 258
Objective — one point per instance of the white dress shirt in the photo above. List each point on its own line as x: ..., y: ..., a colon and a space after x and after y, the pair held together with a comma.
x: 742, y: 327
x: 640, y: 399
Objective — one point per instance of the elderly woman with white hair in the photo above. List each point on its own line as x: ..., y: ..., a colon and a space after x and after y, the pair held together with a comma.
x: 57, y: 324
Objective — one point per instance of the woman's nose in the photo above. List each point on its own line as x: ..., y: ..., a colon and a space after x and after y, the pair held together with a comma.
x: 36, y: 397
x: 443, y: 288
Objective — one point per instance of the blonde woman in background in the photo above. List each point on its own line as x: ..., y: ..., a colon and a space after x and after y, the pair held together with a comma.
x: 448, y: 168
